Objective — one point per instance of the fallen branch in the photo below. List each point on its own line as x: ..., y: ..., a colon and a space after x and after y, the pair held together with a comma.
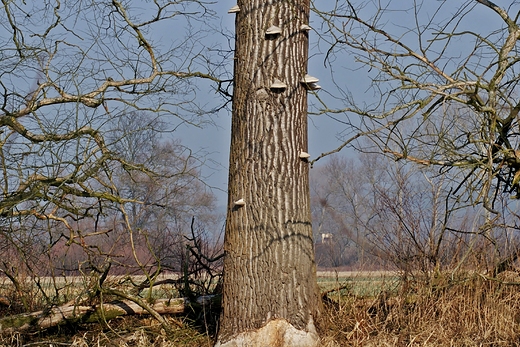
x: 87, y: 314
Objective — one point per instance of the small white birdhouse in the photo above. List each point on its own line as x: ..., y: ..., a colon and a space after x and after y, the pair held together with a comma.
x: 305, y: 27
x: 274, y: 30
x: 240, y: 203
x: 234, y: 9
x: 304, y: 155
x: 277, y: 84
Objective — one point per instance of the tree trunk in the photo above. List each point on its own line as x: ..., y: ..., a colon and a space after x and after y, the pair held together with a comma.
x: 270, y: 294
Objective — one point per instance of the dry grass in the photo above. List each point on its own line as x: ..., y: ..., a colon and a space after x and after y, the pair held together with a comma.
x: 471, y: 311
x: 467, y: 311
x: 124, y: 332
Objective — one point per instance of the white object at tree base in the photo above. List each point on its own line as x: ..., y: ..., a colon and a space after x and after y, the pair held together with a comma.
x: 276, y: 333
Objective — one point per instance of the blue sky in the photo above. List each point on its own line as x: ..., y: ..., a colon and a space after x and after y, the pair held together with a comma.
x: 324, y: 132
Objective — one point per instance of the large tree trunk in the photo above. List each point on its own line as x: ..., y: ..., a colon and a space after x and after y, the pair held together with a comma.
x: 270, y: 295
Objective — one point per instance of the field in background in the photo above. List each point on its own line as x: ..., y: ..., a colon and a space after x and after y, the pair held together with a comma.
x: 363, y: 283
x: 360, y: 283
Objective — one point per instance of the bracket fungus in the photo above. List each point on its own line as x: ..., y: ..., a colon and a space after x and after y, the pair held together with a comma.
x: 234, y: 9
x: 278, y: 85
x: 309, y: 79
x: 239, y: 203
x: 309, y: 82
x: 273, y: 30
x: 304, y: 155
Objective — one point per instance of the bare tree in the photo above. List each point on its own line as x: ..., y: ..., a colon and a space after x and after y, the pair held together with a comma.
x: 333, y: 186
x: 462, y: 104
x: 445, y: 92
x: 270, y: 295
x: 67, y: 69
x: 394, y: 214
x: 401, y: 216
x: 85, y: 88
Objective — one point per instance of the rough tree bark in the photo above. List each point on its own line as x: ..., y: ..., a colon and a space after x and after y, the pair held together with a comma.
x: 270, y: 294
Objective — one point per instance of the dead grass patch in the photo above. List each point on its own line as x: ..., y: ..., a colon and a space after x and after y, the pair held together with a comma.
x: 467, y: 311
x: 123, y: 332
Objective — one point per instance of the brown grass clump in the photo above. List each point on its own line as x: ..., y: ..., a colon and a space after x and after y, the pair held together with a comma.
x: 122, y: 332
x: 469, y: 311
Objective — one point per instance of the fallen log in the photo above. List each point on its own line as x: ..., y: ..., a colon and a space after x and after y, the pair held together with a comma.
x: 87, y: 314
